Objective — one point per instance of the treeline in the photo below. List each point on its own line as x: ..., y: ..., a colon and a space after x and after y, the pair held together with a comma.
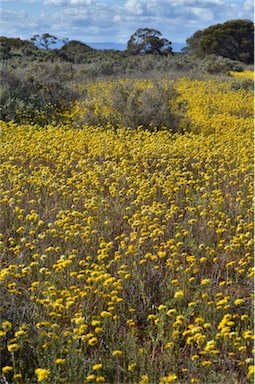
x: 233, y: 39
x: 39, y: 84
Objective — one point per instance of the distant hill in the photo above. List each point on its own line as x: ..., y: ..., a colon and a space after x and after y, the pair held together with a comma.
x: 121, y: 47
x: 118, y: 46
x: 109, y: 45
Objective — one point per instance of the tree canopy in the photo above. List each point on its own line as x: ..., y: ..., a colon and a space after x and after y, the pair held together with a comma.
x: 44, y: 40
x: 14, y: 46
x: 233, y: 39
x: 146, y: 40
x: 74, y: 51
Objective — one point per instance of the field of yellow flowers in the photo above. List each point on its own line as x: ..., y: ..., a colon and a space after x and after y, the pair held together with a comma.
x: 127, y: 255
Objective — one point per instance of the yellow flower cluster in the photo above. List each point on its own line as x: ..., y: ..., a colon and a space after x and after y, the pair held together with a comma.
x: 214, y: 107
x: 130, y: 247
x: 243, y: 75
x: 42, y: 374
x: 125, y: 102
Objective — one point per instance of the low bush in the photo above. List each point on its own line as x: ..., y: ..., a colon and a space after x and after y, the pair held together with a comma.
x: 38, y: 93
x: 130, y: 103
x: 214, y: 64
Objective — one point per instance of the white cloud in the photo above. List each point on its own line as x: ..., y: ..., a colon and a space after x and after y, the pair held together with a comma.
x: 55, y: 3
x: 64, y: 3
x: 205, y: 14
x: 13, y: 15
x: 30, y: 1
x: 135, y: 7
x: 117, y: 20
x: 248, y: 5
x: 78, y: 3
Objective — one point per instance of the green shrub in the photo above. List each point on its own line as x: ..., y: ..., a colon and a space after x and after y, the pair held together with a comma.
x: 35, y: 93
x: 129, y: 104
x: 214, y: 64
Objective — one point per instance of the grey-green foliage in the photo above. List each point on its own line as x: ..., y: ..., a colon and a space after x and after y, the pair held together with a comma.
x: 30, y: 86
x: 215, y: 64
x: 16, y: 93
x: 132, y: 107
x: 118, y: 65
x: 26, y: 91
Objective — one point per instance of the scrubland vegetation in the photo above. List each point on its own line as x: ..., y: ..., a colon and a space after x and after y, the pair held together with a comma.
x: 126, y: 227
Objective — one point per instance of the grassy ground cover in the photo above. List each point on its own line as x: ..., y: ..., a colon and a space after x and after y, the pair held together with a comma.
x: 127, y: 255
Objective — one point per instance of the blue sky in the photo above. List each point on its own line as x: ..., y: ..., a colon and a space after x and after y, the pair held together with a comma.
x: 116, y: 20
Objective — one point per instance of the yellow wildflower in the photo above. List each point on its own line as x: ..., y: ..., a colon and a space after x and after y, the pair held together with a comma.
x: 100, y: 379
x: 179, y: 294
x: 7, y: 369
x: 250, y: 373
x: 13, y: 347
x: 131, y: 366
x: 169, y: 378
x: 42, y: 374
x: 96, y: 367
x: 6, y: 325
x: 144, y: 379
x: 93, y: 341
x: 60, y: 361
x: 117, y: 352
